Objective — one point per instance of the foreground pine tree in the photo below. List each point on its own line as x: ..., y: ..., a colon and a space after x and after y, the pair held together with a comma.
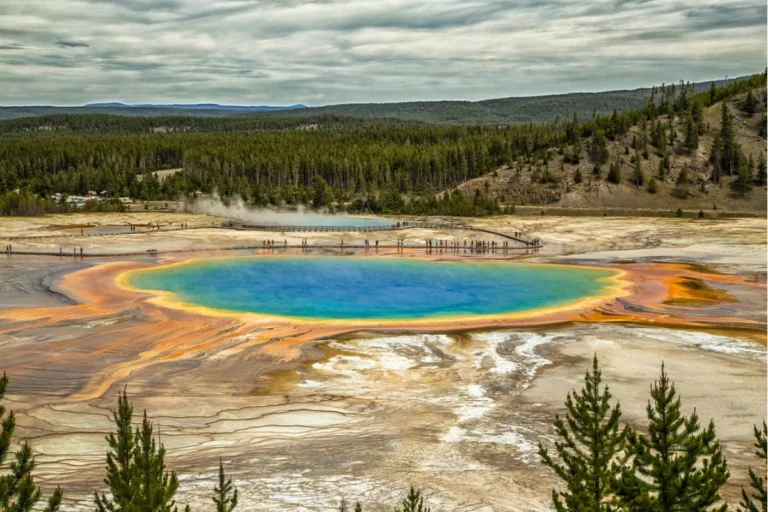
x: 413, y: 502
x: 18, y: 492
x: 758, y: 501
x: 678, y: 467
x: 136, y: 474
x: 225, y: 494
x: 591, y: 441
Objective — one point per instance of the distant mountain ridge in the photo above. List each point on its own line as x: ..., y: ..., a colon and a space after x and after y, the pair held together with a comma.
x: 197, y: 106
x: 500, y: 111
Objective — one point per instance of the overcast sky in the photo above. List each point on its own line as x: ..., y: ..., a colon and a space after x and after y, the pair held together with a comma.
x: 67, y: 52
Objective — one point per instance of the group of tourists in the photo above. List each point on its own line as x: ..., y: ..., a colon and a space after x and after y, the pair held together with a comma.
x: 472, y: 245
x: 74, y: 251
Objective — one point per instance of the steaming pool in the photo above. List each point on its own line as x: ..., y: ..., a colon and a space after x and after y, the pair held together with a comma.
x: 371, y: 289
x: 317, y: 220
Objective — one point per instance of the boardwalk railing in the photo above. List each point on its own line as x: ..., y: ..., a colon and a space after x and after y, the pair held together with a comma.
x: 529, y: 243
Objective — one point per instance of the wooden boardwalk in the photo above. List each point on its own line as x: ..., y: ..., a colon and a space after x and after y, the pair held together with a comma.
x: 526, y: 243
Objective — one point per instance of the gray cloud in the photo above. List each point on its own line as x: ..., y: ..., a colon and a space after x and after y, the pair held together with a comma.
x: 143, y: 5
x: 340, y: 51
x: 71, y: 44
x: 715, y: 17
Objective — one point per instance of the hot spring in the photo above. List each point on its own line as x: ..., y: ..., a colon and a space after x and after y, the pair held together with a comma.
x: 371, y: 288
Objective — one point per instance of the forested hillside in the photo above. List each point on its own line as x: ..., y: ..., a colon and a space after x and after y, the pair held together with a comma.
x: 396, y: 167
x: 705, y: 152
x: 511, y: 110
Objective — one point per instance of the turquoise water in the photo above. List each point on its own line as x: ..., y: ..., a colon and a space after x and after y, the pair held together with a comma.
x: 105, y: 230
x: 318, y: 219
x: 372, y: 288
x: 346, y: 220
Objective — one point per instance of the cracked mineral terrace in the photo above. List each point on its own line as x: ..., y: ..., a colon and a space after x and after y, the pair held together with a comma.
x: 303, y: 413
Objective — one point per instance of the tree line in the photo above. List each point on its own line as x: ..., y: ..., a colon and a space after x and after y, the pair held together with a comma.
x: 364, y: 163
x: 674, y: 466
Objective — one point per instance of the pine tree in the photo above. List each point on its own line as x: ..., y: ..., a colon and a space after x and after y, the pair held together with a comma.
x: 598, y: 151
x: 155, y: 488
x: 638, y: 176
x: 578, y: 178
x: 751, y: 103
x: 665, y: 166
x: 691, y: 134
x: 8, y: 422
x: 652, y: 187
x: 413, y: 502
x: 136, y: 473
x: 682, y: 179
x: 225, y: 494
x: 757, y: 482
x: 726, y: 152
x: 678, y: 467
x: 358, y: 507
x: 744, y: 179
x: 614, y: 173
x: 762, y: 172
x: 18, y: 492
x: 590, y: 448
x: 119, y: 460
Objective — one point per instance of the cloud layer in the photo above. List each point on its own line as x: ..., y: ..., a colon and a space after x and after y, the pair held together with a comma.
x: 338, y: 51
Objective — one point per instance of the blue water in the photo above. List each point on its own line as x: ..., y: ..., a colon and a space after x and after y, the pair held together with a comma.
x: 374, y: 288
x: 345, y: 220
x: 105, y: 230
x: 317, y: 219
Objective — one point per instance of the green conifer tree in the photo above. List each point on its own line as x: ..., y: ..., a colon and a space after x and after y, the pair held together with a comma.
x: 744, y: 179
x: 750, y: 103
x: 762, y: 172
x: 225, y: 493
x: 758, y: 501
x: 598, y: 150
x: 155, y: 488
x: 682, y: 178
x: 678, y: 467
x: 638, y: 176
x: 614, y: 173
x: 413, y: 502
x: 18, y: 492
x: 691, y: 134
x: 136, y: 474
x: 119, y: 460
x: 590, y: 448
